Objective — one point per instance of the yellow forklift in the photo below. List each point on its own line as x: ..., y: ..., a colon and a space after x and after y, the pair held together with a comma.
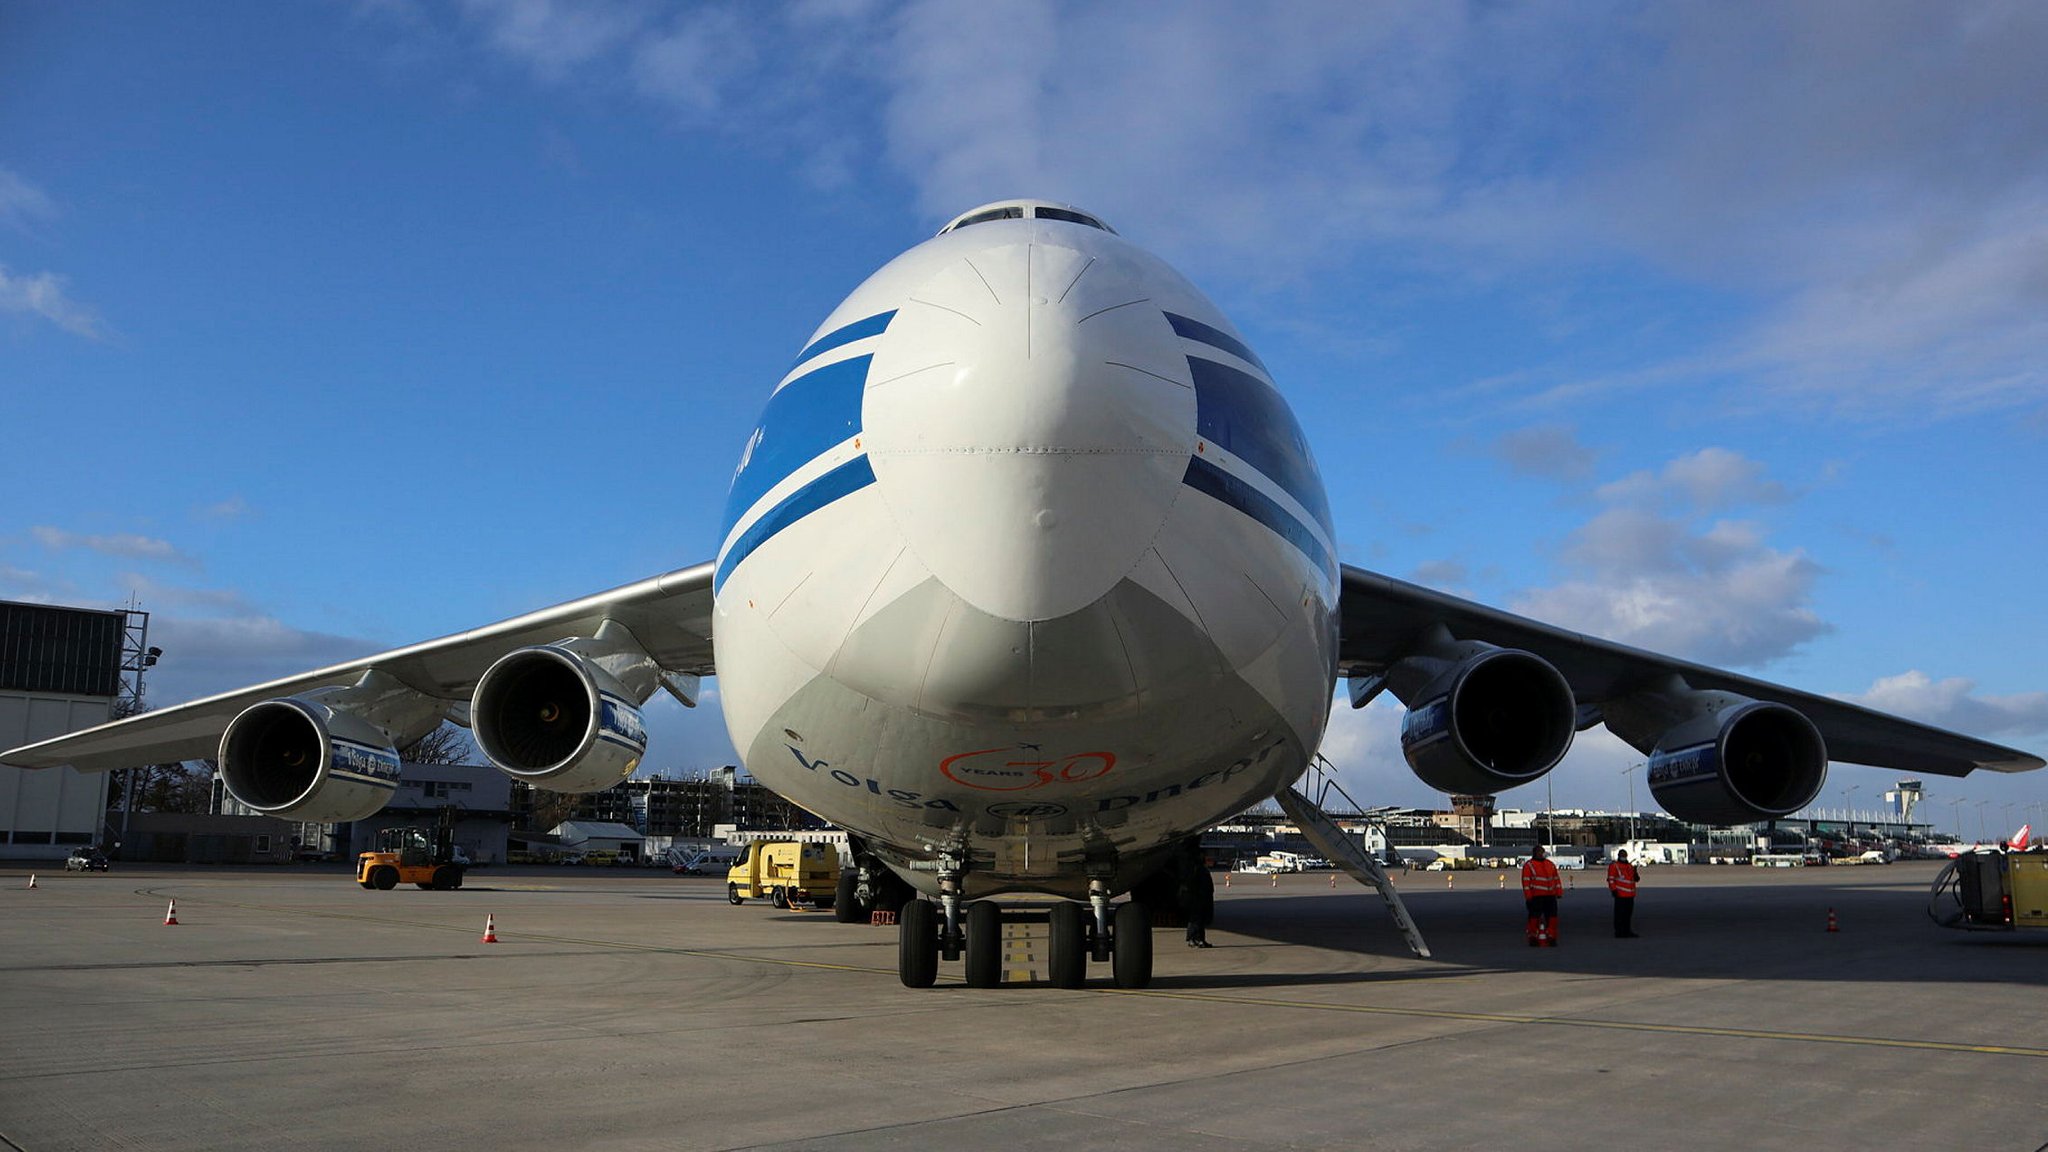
x: 416, y: 856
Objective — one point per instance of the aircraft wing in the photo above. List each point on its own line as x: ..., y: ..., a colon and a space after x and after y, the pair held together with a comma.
x: 670, y: 615
x: 1383, y: 619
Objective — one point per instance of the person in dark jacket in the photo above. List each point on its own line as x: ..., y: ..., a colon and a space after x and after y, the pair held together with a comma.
x: 1197, y: 895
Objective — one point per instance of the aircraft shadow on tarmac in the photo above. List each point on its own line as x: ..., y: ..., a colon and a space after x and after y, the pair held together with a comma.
x: 1688, y: 933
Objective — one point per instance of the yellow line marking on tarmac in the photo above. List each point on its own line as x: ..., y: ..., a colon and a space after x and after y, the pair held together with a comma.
x: 1584, y: 1022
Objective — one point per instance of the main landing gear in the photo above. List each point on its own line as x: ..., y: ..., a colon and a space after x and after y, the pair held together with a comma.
x: 1077, y: 933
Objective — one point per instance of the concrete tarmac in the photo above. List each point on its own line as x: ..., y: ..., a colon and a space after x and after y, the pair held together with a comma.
x: 290, y: 1009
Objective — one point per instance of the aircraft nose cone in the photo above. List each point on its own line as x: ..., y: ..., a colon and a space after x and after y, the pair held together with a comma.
x: 1029, y: 420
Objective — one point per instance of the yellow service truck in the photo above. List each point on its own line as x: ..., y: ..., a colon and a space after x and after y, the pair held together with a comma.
x: 2000, y: 891
x: 786, y: 872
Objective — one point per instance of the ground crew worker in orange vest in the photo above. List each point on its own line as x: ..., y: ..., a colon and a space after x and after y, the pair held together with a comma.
x: 1541, y: 888
x: 1621, y: 880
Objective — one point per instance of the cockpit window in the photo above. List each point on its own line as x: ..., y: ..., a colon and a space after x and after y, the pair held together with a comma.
x: 1045, y: 213
x: 1010, y: 213
x: 1026, y: 211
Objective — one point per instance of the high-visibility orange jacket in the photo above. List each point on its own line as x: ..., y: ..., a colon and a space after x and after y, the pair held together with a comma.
x: 1621, y: 878
x: 1540, y: 878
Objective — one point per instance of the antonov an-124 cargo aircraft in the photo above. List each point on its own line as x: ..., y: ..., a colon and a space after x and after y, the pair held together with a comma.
x: 1027, y: 578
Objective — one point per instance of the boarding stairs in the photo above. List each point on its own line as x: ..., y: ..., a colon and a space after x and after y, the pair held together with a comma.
x: 1344, y: 850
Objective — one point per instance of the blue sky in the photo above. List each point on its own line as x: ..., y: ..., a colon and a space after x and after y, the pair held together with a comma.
x: 1718, y: 329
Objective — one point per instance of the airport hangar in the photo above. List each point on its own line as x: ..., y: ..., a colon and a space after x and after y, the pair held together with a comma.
x: 61, y: 669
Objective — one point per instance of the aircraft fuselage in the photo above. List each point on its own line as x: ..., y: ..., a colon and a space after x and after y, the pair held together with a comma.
x: 1027, y: 563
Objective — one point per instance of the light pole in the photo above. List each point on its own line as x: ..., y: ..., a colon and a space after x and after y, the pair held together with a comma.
x: 1848, y: 797
x: 1981, y: 837
x: 1550, y: 813
x: 1630, y: 772
x: 1955, y: 813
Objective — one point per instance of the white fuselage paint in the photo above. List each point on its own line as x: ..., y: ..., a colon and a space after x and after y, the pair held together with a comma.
x: 1026, y: 564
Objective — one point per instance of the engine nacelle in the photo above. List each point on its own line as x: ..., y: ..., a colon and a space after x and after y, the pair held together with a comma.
x: 305, y: 760
x: 1752, y: 761
x: 1495, y: 719
x: 550, y: 716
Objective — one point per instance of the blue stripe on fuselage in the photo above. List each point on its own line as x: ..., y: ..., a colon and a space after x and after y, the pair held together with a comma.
x: 805, y: 418
x: 849, y: 477
x: 1207, y: 478
x: 858, y: 330
x: 1215, y: 338
x: 1245, y: 416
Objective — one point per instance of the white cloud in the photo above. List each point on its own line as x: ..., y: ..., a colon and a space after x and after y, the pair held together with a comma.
x: 1708, y: 480
x: 1650, y: 571
x: 1864, y: 181
x: 1446, y: 574
x: 22, y: 204
x: 691, y: 63
x: 46, y: 295
x: 156, y: 595
x: 118, y: 544
x: 1952, y: 703
x: 1546, y: 451
x: 232, y: 508
x: 555, y: 39
x: 203, y: 656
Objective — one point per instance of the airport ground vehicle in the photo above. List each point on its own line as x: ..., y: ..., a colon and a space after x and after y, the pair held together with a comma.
x: 411, y: 855
x: 785, y: 872
x: 87, y: 859
x: 1994, y: 891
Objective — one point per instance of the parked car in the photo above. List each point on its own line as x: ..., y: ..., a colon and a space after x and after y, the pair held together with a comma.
x: 87, y: 859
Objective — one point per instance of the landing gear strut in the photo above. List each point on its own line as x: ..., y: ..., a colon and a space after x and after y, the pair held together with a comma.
x: 925, y: 932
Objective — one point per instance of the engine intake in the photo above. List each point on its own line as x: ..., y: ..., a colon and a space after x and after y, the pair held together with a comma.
x: 1496, y: 719
x: 1754, y: 761
x: 549, y: 716
x: 307, y: 761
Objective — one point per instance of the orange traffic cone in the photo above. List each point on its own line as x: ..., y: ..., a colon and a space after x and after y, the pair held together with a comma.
x: 1450, y: 880
x: 1503, y: 880
x: 1333, y: 879
x: 171, y: 914
x: 1276, y: 880
x: 1226, y: 879
x: 1833, y: 924
x: 31, y: 880
x: 490, y: 929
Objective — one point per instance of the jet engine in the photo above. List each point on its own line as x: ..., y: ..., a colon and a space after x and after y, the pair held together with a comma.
x: 1749, y: 761
x: 553, y: 716
x: 304, y: 759
x: 1482, y: 719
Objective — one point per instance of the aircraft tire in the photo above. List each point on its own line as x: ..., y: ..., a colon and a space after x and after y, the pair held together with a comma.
x: 732, y: 893
x: 384, y: 877
x: 984, y: 944
x: 845, y: 906
x: 1067, y: 947
x: 917, y: 944
x: 1131, y: 964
